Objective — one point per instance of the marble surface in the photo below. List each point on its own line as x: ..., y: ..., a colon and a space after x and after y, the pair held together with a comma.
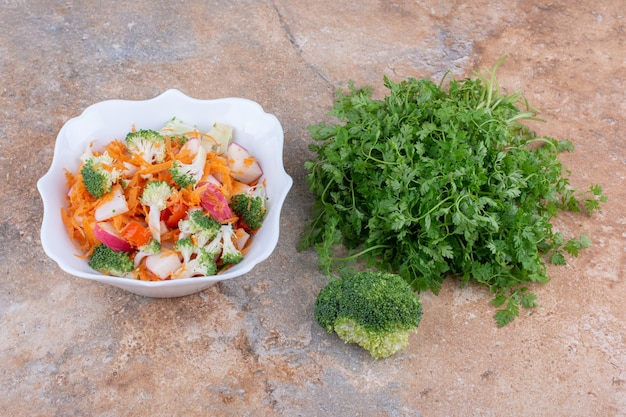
x: 250, y: 346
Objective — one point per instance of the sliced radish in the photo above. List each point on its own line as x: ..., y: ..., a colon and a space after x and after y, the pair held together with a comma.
x: 191, y: 146
x: 163, y: 263
x: 243, y: 165
x: 215, y: 203
x: 106, y: 233
x: 111, y: 205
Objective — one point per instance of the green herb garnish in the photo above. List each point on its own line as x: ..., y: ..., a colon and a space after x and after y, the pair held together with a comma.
x: 432, y: 182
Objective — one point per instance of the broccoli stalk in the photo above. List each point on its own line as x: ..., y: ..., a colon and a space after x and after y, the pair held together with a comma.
x: 230, y: 254
x: 189, y: 174
x: 375, y: 310
x: 98, y: 175
x: 107, y: 261
x: 250, y: 209
x: 199, y: 226
x: 155, y: 196
x: 149, y: 144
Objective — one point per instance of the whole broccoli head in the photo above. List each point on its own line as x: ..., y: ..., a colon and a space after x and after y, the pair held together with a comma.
x: 150, y: 144
x: 375, y: 310
x: 250, y: 208
x: 98, y: 175
x: 110, y: 262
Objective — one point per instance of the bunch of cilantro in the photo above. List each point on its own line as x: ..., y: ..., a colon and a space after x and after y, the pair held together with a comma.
x: 432, y: 182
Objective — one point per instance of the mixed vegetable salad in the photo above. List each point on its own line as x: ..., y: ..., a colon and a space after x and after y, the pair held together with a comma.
x: 167, y: 204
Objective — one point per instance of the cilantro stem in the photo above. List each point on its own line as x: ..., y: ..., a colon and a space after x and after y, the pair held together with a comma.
x: 361, y: 253
x: 524, y: 116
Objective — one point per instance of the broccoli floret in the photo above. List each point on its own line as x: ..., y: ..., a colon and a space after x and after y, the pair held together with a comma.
x: 109, y: 262
x: 230, y: 254
x: 214, y: 248
x: 147, y: 143
x: 186, y: 247
x: 203, y: 264
x: 196, y: 260
x: 189, y: 174
x: 375, y: 310
x: 151, y: 248
x: 181, y: 175
x: 206, y: 262
x: 250, y: 209
x: 98, y: 175
x: 201, y: 227
x: 155, y: 196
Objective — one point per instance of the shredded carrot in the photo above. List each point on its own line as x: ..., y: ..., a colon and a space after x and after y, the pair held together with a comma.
x: 187, y: 196
x: 132, y: 197
x: 117, y: 151
x: 156, y: 168
x: 172, y: 147
x: 216, y: 164
x: 218, y: 167
x: 185, y: 155
x: 121, y: 221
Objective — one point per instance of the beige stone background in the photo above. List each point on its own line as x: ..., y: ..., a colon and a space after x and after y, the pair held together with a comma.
x: 250, y: 347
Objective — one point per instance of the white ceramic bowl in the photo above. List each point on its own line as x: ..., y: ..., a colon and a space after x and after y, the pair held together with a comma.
x: 260, y: 132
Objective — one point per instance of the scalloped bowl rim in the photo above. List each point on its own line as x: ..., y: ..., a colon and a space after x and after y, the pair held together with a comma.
x: 260, y: 132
